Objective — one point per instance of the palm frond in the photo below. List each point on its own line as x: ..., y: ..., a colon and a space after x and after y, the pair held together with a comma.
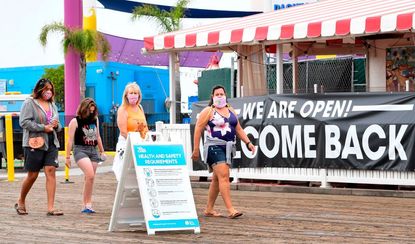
x: 169, y: 21
x: 178, y: 13
x: 54, y: 27
x: 146, y: 10
x: 66, y: 43
x: 103, y: 47
x: 81, y: 41
x: 151, y: 12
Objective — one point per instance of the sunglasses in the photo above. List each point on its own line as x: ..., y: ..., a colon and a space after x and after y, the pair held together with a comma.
x: 43, y: 81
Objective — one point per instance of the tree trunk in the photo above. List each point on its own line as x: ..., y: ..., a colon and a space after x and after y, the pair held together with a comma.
x: 82, y: 76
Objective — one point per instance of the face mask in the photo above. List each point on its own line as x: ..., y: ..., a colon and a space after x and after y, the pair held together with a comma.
x: 91, y: 115
x: 132, y: 98
x: 219, y: 102
x: 46, y: 95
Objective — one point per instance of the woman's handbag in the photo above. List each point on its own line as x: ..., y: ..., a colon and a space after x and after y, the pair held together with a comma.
x: 37, y: 141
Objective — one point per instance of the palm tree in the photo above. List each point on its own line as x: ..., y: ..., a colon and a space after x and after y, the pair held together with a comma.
x: 168, y: 21
x: 82, y: 41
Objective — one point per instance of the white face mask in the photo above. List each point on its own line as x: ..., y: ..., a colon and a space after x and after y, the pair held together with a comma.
x: 219, y: 102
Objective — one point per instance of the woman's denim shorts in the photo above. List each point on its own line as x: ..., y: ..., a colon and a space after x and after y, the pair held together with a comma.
x: 216, y: 155
x: 80, y: 152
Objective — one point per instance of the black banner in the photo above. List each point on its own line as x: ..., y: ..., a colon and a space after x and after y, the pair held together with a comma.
x: 370, y: 131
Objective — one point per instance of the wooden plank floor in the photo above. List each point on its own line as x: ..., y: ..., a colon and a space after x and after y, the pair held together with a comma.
x: 270, y: 217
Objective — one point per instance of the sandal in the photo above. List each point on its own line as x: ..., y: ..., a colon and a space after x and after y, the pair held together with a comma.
x: 21, y: 210
x: 235, y: 215
x: 54, y: 213
x: 212, y: 214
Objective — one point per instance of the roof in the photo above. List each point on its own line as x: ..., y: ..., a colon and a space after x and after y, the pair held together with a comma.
x: 124, y: 50
x: 321, y: 20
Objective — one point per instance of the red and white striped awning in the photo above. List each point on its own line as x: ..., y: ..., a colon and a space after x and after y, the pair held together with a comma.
x: 325, y: 19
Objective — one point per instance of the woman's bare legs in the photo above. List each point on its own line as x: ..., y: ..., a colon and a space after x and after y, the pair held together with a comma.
x: 50, y: 172
x: 26, y: 186
x: 222, y: 173
x: 89, y: 168
x: 212, y: 195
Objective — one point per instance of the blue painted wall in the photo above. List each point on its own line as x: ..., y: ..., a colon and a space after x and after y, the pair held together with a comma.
x: 23, y: 78
x: 102, y: 79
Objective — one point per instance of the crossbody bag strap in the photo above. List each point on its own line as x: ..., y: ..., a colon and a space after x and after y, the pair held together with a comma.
x: 38, y: 111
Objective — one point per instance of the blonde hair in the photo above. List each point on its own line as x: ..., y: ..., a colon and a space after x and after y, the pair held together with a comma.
x: 131, y: 86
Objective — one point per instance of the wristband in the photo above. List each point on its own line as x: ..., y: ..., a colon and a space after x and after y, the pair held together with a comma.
x: 247, y: 143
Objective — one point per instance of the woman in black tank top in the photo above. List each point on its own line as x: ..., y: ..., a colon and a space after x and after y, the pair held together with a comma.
x: 84, y: 138
x: 86, y: 131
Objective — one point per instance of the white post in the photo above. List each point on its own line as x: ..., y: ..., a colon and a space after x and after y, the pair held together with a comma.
x: 232, y: 77
x: 407, y: 85
x: 172, y: 84
x: 295, y: 69
x: 238, y: 77
x: 324, y: 182
x: 367, y: 76
x: 159, y: 125
x: 279, y: 70
x: 377, y: 67
x: 315, y: 88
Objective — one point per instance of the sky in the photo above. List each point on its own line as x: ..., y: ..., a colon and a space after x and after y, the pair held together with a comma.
x: 21, y: 23
x: 22, y: 20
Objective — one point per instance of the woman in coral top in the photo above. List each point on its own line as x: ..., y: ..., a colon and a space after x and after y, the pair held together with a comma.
x: 130, y: 118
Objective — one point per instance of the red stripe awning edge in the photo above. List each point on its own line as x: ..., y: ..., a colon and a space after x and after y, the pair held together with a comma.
x: 236, y: 35
x: 372, y: 24
x: 404, y: 22
x: 261, y: 33
x: 314, y: 29
x: 191, y: 40
x: 213, y: 38
x: 169, y: 41
x: 287, y: 32
x: 343, y: 27
x: 149, y: 43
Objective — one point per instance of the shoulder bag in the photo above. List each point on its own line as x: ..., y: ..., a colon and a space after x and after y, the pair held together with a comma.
x: 37, y: 141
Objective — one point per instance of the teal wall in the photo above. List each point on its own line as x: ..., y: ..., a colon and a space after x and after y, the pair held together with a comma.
x: 153, y: 82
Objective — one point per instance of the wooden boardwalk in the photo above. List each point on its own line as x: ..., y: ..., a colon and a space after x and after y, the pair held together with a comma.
x: 270, y: 217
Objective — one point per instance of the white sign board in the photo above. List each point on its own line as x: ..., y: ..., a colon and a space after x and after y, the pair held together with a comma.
x: 127, y: 210
x: 163, y: 182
